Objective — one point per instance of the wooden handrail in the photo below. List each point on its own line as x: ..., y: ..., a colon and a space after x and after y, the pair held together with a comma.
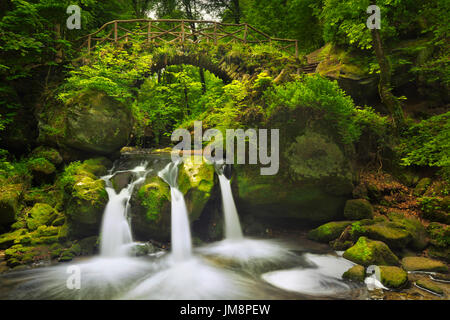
x: 186, y: 32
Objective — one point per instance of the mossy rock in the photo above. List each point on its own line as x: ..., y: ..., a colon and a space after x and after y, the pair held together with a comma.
x: 89, y: 245
x: 423, y: 264
x: 10, y: 196
x: 7, y: 239
x: 439, y: 234
x: 429, y: 285
x: 66, y: 256
x: 196, y: 182
x: 393, y: 277
x: 368, y: 252
x: 47, y: 153
x: 121, y: 180
x: 91, y: 122
x: 41, y: 214
x: 439, y: 253
x: 150, y: 214
x: 85, y: 206
x: 43, y: 171
x: 355, y: 273
x: 21, y: 255
x: 422, y: 186
x: 329, y: 231
x: 358, y: 209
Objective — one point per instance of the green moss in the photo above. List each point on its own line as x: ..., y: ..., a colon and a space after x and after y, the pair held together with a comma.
x: 439, y: 234
x: 7, y: 239
x: 368, y: 252
x: 436, y: 209
x: 47, y: 153
x: 9, y: 202
x: 153, y: 196
x: 41, y: 166
x: 429, y: 285
x: 40, y: 214
x: 393, y: 277
x: 21, y: 255
x: 329, y: 231
x: 422, y: 186
x: 423, y: 264
x: 355, y: 273
x: 358, y: 209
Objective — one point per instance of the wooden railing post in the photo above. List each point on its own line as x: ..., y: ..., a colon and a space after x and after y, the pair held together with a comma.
x: 245, y: 33
x: 115, y: 31
x: 215, y: 33
x: 149, y: 31
x: 182, y: 32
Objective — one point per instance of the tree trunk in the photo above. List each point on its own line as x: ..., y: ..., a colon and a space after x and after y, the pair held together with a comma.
x: 385, y: 86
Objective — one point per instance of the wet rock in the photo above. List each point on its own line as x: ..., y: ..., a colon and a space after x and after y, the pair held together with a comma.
x: 355, y: 273
x: 429, y: 285
x: 43, y: 171
x: 393, y: 277
x: 48, y: 154
x: 41, y: 214
x: 358, y: 209
x: 121, y: 180
x: 329, y: 231
x: 423, y: 264
x: 370, y: 252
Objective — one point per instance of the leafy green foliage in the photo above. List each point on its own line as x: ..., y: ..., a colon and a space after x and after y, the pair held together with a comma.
x: 319, y: 94
x: 428, y: 143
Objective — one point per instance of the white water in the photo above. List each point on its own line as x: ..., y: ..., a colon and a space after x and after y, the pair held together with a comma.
x: 233, y: 230
x: 116, y: 233
x: 181, y: 233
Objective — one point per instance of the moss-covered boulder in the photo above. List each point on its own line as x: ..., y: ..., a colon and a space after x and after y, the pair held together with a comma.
x: 429, y: 285
x: 422, y: 186
x: 91, y: 122
x: 43, y: 171
x: 21, y: 255
x: 47, y: 153
x: 439, y: 235
x: 397, y: 231
x: 85, y: 196
x: 355, y: 273
x: 329, y: 231
x: 358, y: 209
x: 368, y: 252
x: 423, y: 264
x: 393, y: 277
x: 41, y: 214
x: 7, y: 239
x: 9, y: 203
x: 150, y: 214
x: 314, y: 181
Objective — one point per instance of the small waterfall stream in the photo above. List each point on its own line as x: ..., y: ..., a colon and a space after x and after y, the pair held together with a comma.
x: 116, y: 233
x: 181, y: 234
x: 233, y: 230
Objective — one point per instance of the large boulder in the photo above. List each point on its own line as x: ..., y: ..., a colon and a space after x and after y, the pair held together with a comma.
x: 368, y: 252
x: 423, y: 264
x: 355, y: 273
x: 9, y: 203
x: 151, y: 206
x: 86, y: 197
x: 358, y: 209
x: 91, y: 122
x: 393, y: 277
x: 329, y: 231
x: 314, y: 181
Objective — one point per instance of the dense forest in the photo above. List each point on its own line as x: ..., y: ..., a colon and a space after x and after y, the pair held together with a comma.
x: 363, y: 115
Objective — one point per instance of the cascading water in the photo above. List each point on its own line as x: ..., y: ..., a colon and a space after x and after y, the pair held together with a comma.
x: 181, y: 234
x: 233, y: 230
x: 116, y: 231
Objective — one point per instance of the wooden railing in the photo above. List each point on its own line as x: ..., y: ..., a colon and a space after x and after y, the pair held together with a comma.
x: 182, y: 31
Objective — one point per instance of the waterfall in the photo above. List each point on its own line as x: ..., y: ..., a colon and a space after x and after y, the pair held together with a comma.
x: 233, y: 230
x: 116, y: 231
x: 181, y: 234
